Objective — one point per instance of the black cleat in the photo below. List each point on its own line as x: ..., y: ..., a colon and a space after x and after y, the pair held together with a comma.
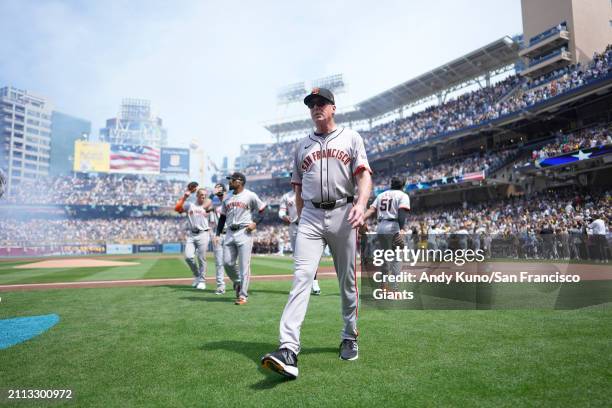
x: 237, y: 289
x: 349, y: 350
x: 282, y: 361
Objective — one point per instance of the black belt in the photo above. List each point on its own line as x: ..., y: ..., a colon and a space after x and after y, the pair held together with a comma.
x: 330, y: 205
x: 388, y: 219
x: 197, y: 231
x: 236, y: 227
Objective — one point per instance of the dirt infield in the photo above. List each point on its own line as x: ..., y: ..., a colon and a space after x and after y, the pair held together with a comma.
x: 74, y: 263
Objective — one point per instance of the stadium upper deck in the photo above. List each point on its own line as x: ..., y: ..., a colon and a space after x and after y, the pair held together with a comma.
x: 501, y: 108
x: 481, y: 64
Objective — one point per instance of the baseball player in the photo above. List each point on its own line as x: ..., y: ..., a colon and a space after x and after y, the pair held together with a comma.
x: 330, y: 166
x: 197, y: 234
x: 242, y: 212
x: 217, y: 198
x: 288, y: 214
x: 391, y: 208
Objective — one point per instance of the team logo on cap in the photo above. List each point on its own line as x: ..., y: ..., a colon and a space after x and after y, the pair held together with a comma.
x: 315, y: 91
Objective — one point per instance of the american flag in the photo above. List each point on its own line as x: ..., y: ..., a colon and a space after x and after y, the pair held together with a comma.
x: 137, y: 159
x: 479, y: 175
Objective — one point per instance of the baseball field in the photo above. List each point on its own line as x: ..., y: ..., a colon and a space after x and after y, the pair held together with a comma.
x: 170, y: 345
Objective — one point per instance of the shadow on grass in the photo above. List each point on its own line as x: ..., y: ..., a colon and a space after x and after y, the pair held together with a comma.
x: 217, y: 299
x: 185, y: 288
x: 274, y: 292
x: 255, y: 351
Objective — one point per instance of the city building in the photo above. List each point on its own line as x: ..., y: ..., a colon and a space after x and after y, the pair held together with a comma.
x: 25, y: 135
x: 65, y: 130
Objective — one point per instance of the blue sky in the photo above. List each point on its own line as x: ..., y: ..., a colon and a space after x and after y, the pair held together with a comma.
x: 212, y: 69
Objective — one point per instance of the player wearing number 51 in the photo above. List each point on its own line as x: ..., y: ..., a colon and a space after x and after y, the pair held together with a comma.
x: 391, y: 208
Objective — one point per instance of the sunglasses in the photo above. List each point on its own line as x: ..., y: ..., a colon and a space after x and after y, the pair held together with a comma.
x: 320, y: 103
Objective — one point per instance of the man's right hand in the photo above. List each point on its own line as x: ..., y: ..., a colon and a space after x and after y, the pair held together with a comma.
x: 286, y: 220
x: 187, y: 194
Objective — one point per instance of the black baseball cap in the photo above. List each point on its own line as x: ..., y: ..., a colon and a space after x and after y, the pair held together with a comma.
x: 397, y: 183
x: 237, y: 176
x: 321, y: 92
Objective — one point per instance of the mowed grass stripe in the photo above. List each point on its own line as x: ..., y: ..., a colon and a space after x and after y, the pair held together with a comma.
x: 172, y: 268
x: 6, y: 266
x: 48, y: 275
x: 138, y: 270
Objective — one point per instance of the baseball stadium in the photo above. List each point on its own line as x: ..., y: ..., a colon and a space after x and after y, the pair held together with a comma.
x: 134, y: 271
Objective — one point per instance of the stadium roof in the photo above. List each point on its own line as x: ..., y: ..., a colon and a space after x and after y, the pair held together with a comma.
x: 491, y: 57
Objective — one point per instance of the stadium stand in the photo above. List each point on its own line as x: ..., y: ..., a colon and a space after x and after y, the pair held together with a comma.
x: 504, y: 200
x: 477, y: 108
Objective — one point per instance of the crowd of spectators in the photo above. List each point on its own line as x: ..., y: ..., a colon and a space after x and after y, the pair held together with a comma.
x: 458, y: 167
x: 107, y: 190
x: 272, y: 238
x: 562, y: 224
x: 569, y: 142
x: 557, y: 210
x: 467, y: 110
x: 100, y: 190
x: 98, y: 230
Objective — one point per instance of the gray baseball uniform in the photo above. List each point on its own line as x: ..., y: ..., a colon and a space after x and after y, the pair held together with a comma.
x: 288, y: 209
x: 388, y: 205
x: 325, y: 166
x: 218, y: 247
x: 238, y: 242
x: 197, y: 238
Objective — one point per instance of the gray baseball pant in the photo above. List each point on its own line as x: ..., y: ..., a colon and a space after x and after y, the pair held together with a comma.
x: 293, y: 228
x: 197, y: 244
x: 237, y: 246
x: 218, y: 251
x: 384, y: 234
x: 317, y: 228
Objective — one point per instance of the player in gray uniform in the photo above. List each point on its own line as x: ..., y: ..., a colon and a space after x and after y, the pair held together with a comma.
x: 330, y: 166
x: 242, y: 212
x: 391, y: 208
x: 288, y: 213
x: 197, y: 234
x: 217, y: 198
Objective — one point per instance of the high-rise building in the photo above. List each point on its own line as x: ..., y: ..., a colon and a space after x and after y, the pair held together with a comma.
x: 135, y: 125
x: 65, y: 130
x: 25, y: 135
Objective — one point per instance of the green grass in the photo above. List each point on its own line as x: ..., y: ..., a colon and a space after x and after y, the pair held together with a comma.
x: 173, y: 346
x: 147, y: 268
